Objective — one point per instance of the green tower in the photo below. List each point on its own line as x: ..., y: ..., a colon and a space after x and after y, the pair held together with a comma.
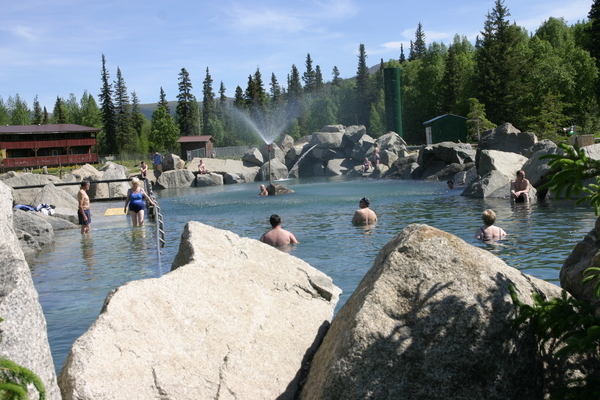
x: 392, y: 78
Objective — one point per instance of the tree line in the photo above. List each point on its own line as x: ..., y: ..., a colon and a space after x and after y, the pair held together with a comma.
x: 541, y: 82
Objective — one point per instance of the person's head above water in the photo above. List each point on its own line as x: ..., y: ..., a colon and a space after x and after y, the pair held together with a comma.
x: 488, y: 217
x: 366, y: 201
x: 275, y: 220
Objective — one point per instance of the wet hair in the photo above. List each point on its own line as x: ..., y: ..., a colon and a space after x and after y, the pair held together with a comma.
x: 84, y: 183
x: 488, y: 217
x: 452, y: 182
x: 275, y: 220
x: 365, y: 200
x: 135, y: 181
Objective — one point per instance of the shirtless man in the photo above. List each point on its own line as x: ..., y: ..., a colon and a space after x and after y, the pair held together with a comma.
x: 519, y: 188
x: 278, y: 236
x: 365, y: 215
x: 263, y: 191
x: 83, y: 212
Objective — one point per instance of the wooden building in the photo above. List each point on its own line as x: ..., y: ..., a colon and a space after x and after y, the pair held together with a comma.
x: 446, y: 128
x: 34, y: 146
x: 189, y: 143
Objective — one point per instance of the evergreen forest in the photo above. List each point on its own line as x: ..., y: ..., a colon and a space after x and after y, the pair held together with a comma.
x: 544, y: 82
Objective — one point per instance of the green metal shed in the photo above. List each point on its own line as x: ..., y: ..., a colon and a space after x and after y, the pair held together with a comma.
x: 446, y: 128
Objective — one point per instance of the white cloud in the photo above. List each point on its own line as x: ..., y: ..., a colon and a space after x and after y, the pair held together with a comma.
x: 25, y: 32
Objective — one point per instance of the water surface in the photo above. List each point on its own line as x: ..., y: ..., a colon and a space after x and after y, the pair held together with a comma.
x: 74, y: 276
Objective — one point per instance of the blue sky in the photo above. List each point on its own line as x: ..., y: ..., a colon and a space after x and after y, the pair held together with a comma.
x: 54, y: 48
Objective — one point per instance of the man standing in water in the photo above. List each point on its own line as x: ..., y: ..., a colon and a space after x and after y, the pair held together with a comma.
x: 83, y: 212
x: 278, y: 236
x: 365, y: 215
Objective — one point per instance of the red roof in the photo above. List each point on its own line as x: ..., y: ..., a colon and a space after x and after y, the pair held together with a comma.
x: 195, y: 139
x: 50, y: 128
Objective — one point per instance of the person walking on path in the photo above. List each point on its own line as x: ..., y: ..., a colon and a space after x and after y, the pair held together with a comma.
x: 135, y: 200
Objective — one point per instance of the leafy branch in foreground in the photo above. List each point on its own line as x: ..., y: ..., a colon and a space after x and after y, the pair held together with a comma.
x: 565, y: 328
x: 571, y: 169
x: 14, y: 380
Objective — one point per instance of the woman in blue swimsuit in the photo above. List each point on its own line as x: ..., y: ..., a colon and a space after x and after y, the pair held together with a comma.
x: 135, y: 200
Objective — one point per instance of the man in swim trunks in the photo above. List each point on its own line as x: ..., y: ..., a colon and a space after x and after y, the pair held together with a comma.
x: 83, y: 212
x: 519, y: 188
x: 278, y: 236
x: 364, y: 216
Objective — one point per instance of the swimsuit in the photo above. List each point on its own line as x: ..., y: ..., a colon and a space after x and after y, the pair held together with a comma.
x: 136, y: 201
x: 80, y: 217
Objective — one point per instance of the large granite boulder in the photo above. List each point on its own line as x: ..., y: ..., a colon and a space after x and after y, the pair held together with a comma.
x: 176, y: 178
x: 507, y: 163
x: 236, y: 169
x: 398, y: 166
x: 449, y: 172
x: 507, y: 138
x: 327, y: 140
x: 277, y: 169
x: 253, y: 156
x: 27, y: 196
x: 392, y: 142
x: 234, y: 319
x: 537, y: 170
x: 35, y: 225
x: 24, y: 337
x: 172, y: 162
x: 328, y: 154
x: 494, y: 184
x: 363, y: 148
x: 275, y: 189
x: 449, y: 152
x: 210, y: 179
x: 276, y: 153
x: 115, y: 189
x: 585, y: 255
x: 333, y: 128
x: 432, y: 319
x: 388, y: 157
x: 379, y: 171
x: 59, y: 198
x: 339, y: 166
x: 285, y: 143
x: 354, y: 133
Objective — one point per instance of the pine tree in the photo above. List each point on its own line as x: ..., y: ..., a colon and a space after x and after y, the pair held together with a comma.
x: 208, y: 102
x: 162, y: 102
x: 336, y: 76
x: 19, y: 111
x: 419, y: 47
x: 319, y: 85
x: 126, y: 136
x: 238, y: 100
x: 402, y: 58
x: 187, y: 112
x: 309, y: 76
x: 294, y: 85
x: 38, y: 116
x: 594, y: 32
x: 4, y: 114
x: 109, y: 143
x: 363, y: 88
x: 137, y: 118
x: 46, y: 117
x: 59, y: 114
x: 275, y: 89
x: 260, y: 95
x: 222, y: 104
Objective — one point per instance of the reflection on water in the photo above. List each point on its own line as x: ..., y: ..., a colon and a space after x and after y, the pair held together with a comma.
x: 74, y: 277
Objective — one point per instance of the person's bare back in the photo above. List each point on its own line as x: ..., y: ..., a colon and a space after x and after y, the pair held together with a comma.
x: 278, y: 236
x: 364, y: 216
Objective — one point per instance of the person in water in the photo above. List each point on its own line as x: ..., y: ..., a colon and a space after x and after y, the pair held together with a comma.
x: 278, y: 236
x: 263, y: 191
x: 83, y: 212
x: 364, y: 215
x: 135, y: 200
x: 450, y: 184
x: 489, y: 232
x: 519, y: 188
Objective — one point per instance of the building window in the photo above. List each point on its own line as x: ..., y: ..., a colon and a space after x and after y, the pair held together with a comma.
x: 54, y: 152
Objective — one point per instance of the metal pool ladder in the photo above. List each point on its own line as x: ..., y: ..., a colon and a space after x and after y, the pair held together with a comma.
x: 160, y: 224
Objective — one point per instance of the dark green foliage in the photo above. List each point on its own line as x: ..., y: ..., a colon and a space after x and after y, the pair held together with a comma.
x: 419, y: 46
x: 59, y: 114
x: 336, y: 76
x: 363, y: 89
x: 187, y: 113
x: 163, y: 102
x: 38, y: 115
x: 14, y: 380
x: 565, y: 328
x: 208, y: 102
x: 108, y: 145
x: 570, y: 171
x: 309, y: 76
x: 593, y: 32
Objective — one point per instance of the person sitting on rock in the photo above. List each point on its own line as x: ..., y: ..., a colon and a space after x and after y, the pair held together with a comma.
x: 364, y: 216
x: 519, y: 188
x: 489, y: 232
x: 202, y: 168
x: 278, y: 236
x: 367, y: 165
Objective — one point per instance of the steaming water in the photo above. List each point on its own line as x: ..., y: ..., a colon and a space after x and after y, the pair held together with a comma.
x: 74, y: 276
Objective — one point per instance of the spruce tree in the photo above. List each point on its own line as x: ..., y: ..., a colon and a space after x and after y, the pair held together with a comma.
x: 109, y: 143
x: 363, y: 88
x: 38, y: 116
x: 238, y: 100
x: 4, y: 114
x: 294, y: 85
x: 402, y: 58
x: 336, y: 76
x: 222, y: 103
x: 419, y: 46
x: 19, y: 111
x: 594, y: 32
x: 59, y: 114
x: 208, y: 102
x: 126, y: 136
x: 319, y: 85
x: 46, y: 117
x: 162, y: 102
x: 309, y: 77
x: 275, y: 89
x: 137, y: 118
x: 187, y: 112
